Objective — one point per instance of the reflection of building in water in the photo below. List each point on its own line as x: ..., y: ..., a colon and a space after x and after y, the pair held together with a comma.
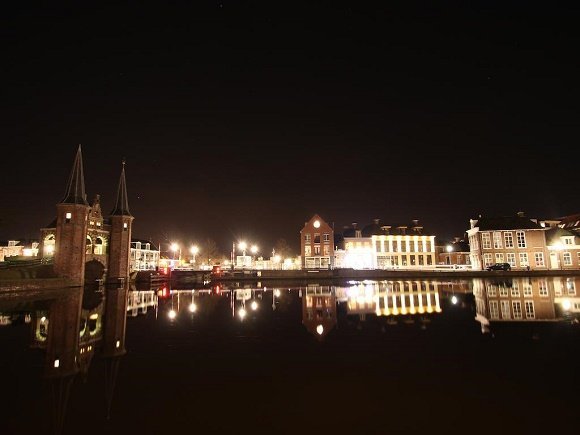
x: 388, y: 298
x: 140, y: 301
x: 319, y: 310
x: 74, y: 328
x: 526, y: 299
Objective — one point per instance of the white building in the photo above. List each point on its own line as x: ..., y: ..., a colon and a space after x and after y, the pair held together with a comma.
x: 144, y: 255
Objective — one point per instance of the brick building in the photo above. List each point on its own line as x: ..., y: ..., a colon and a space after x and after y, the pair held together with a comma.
x: 317, y: 244
x: 81, y: 241
x: 516, y: 240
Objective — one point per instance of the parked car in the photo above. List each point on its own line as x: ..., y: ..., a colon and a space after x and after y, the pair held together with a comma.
x: 499, y: 266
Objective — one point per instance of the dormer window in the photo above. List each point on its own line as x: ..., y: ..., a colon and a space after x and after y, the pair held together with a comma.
x: 98, y: 224
x: 91, y: 222
x: 147, y: 246
x: 138, y: 245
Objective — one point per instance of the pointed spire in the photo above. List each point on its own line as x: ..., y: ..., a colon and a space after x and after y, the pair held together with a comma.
x: 75, y: 189
x: 122, y: 204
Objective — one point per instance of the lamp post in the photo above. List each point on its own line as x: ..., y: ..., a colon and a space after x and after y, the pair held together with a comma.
x: 175, y: 247
x: 449, y: 249
x: 194, y: 250
x: 254, y: 251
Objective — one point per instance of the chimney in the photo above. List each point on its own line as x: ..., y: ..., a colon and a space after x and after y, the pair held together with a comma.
x: 520, y: 214
x: 473, y: 223
x: 457, y: 239
x: 354, y: 224
x: 415, y: 222
x: 376, y: 221
x: 358, y: 234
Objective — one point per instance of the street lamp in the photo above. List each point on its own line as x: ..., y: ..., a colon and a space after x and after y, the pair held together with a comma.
x: 449, y: 251
x: 194, y: 250
x: 243, y: 246
x: 175, y: 247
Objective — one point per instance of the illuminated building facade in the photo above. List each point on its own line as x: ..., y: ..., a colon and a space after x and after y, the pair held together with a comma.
x: 516, y: 240
x: 317, y: 244
x: 388, y: 247
x: 144, y: 255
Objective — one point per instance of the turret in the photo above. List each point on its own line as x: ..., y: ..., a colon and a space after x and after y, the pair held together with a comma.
x: 120, y: 241
x: 71, y: 226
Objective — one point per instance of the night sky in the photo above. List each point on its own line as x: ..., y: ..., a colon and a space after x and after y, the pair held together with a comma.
x: 240, y: 120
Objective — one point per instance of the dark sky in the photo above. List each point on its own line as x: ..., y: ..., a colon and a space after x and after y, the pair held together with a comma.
x: 243, y: 119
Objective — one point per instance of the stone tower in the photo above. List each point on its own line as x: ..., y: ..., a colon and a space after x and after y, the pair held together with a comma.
x: 71, y: 226
x: 120, y: 239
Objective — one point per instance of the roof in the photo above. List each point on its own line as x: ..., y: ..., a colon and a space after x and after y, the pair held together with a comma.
x: 153, y: 246
x: 122, y: 204
x: 75, y: 189
x: 507, y: 223
x: 553, y: 234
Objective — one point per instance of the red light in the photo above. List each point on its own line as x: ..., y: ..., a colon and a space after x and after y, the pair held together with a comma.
x: 164, y: 291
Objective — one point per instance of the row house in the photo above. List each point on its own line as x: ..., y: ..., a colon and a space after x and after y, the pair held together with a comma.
x: 525, y: 243
x: 144, y: 255
x: 516, y: 240
x: 379, y: 246
x: 317, y: 244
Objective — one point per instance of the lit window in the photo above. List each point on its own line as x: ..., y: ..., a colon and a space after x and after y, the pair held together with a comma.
x: 509, y: 240
x: 521, y: 236
x: 497, y: 240
x: 539, y: 258
x: 567, y: 259
x: 485, y: 241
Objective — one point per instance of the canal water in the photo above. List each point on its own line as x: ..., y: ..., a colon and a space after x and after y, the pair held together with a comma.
x: 483, y: 356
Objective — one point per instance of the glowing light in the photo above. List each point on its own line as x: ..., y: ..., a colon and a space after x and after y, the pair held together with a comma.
x: 319, y: 329
x: 172, y: 314
x: 49, y: 249
x: 118, y: 344
x: 277, y: 258
x: 242, y: 246
x: 56, y: 363
x: 43, y: 319
x: 192, y: 308
x: 174, y: 247
x: 94, y: 316
x: 254, y: 249
x: 317, y: 224
x: 194, y: 249
x: 449, y: 248
x: 454, y: 300
x: 566, y: 304
x: 68, y: 215
x: 254, y: 305
x: 242, y: 313
x: 277, y: 293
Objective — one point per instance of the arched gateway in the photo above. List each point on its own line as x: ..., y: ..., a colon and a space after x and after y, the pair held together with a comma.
x: 84, y: 245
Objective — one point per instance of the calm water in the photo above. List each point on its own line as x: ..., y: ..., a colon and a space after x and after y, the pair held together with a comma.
x: 359, y: 357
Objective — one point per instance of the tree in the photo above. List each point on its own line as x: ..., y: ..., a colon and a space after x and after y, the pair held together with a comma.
x: 282, y: 249
x: 210, y: 251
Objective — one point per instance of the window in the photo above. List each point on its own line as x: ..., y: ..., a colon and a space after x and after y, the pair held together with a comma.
x: 395, y: 246
x: 485, y: 241
x: 378, y: 246
x: 317, y: 250
x: 498, y: 257
x: 487, y: 259
x: 326, y: 250
x: 427, y: 246
x: 125, y: 226
x: 497, y: 240
x: 505, y: 310
x: 568, y: 240
x: 509, y: 240
x: 529, y: 307
x: 515, y: 291
x: 307, y: 238
x: 567, y: 259
x: 570, y: 286
x: 138, y: 245
x: 528, y: 289
x: 543, y: 287
x: 517, y: 307
x: 429, y: 263
x: 420, y: 246
x: 493, y: 310
x: 521, y: 239
x: 503, y: 291
x: 524, y: 259
x: 539, y: 258
x: 316, y: 238
x: 511, y: 259
x: 326, y: 237
x: 307, y: 251
x: 67, y: 217
x: 491, y: 290
x: 421, y: 260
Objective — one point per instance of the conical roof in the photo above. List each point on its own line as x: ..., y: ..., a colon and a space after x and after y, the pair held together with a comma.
x: 122, y: 203
x: 75, y: 189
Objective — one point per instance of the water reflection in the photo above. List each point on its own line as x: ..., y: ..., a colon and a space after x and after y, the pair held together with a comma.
x: 526, y: 300
x: 71, y: 327
x: 76, y: 327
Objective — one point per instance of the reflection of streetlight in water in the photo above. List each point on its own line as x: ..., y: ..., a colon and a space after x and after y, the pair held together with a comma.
x: 192, y: 306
